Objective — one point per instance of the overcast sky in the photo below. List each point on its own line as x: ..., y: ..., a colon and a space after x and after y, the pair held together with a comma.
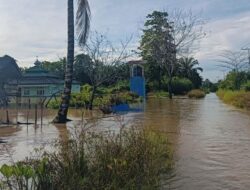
x: 30, y: 28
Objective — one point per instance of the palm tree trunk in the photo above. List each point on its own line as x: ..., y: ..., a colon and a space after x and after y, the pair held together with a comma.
x: 63, y: 110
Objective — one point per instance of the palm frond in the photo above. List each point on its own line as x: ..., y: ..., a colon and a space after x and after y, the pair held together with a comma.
x: 82, y: 21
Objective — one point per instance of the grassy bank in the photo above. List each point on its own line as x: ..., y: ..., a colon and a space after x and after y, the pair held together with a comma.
x: 134, y: 158
x: 158, y: 94
x: 240, y: 99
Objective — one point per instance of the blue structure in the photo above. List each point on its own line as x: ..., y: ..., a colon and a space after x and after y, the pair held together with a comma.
x: 137, y: 80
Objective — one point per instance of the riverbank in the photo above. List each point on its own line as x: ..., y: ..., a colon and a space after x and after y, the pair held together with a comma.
x: 240, y: 99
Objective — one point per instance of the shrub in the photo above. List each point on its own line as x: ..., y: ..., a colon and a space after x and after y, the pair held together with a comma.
x: 181, y: 86
x: 197, y: 93
x: 132, y: 159
x: 53, y: 104
x: 239, y: 99
x: 246, y: 86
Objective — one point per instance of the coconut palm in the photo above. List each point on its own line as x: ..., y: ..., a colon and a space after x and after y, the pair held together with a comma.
x: 82, y: 28
x: 188, y: 66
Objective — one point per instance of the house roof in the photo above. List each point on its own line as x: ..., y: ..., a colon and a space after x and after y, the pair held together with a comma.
x: 35, y: 75
x: 136, y: 62
x: 39, y: 81
x: 38, y: 71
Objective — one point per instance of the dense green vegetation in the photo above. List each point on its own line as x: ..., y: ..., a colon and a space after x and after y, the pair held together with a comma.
x: 235, y: 89
x: 239, y: 99
x: 132, y: 159
x: 113, y: 95
x: 167, y: 69
x: 159, y: 48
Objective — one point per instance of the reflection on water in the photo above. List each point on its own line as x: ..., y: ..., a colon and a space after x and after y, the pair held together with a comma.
x: 211, y: 141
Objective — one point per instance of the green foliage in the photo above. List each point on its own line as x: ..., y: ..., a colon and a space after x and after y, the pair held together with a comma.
x: 181, y: 86
x: 208, y: 86
x: 113, y: 95
x: 239, y: 99
x: 157, y: 47
x: 246, y: 86
x: 57, y: 67
x: 197, y: 93
x: 188, y: 68
x: 135, y: 158
x: 82, y: 66
x: 234, y: 80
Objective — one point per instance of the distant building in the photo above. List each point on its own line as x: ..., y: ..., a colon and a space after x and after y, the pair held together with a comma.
x: 37, y: 83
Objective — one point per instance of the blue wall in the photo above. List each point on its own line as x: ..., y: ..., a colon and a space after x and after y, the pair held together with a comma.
x: 137, y: 85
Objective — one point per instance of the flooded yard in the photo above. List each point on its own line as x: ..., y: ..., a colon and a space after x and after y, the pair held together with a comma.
x: 210, y: 140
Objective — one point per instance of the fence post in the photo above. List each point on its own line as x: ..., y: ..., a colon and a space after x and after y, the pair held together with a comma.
x: 36, y: 114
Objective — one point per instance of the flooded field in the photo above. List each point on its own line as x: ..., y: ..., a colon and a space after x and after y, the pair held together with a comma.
x: 211, y: 140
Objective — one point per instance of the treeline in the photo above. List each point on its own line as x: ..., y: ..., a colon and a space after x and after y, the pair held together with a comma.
x: 165, y: 46
x: 235, y: 87
x: 164, y: 42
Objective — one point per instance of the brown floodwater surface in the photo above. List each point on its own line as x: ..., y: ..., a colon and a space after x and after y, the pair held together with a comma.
x: 210, y: 140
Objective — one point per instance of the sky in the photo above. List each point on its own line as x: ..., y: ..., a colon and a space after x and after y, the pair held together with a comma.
x: 38, y: 28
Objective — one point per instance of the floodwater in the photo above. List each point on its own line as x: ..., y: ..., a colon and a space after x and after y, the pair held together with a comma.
x: 210, y: 140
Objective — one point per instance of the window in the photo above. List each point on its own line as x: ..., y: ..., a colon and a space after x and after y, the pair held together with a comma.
x: 137, y: 71
x: 40, y: 92
x: 26, y: 92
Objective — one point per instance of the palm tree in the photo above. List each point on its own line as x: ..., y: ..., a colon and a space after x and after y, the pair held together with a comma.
x: 187, y: 67
x: 82, y: 28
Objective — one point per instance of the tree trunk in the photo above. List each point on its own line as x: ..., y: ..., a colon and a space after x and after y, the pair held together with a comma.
x: 170, y: 88
x: 63, y: 110
x: 92, y: 98
x: 159, y: 79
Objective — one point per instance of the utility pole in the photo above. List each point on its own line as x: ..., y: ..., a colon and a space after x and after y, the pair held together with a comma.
x: 248, y: 50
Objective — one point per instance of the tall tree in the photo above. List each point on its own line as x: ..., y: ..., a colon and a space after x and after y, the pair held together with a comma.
x: 82, y: 28
x: 56, y: 67
x: 188, y: 68
x: 106, y: 61
x: 235, y: 62
x: 157, y: 45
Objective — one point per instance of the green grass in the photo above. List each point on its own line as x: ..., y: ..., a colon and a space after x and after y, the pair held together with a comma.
x: 197, y: 93
x: 239, y: 99
x: 158, y: 94
x: 135, y: 158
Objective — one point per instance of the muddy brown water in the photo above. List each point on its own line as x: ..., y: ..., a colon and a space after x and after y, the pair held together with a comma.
x: 210, y: 140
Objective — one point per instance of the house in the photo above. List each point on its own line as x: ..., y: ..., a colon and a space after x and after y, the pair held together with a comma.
x: 37, y: 84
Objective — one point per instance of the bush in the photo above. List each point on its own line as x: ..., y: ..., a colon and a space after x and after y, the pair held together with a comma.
x: 246, y: 86
x: 196, y: 94
x: 181, y: 86
x: 239, y: 99
x: 53, y: 104
x: 132, y: 159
